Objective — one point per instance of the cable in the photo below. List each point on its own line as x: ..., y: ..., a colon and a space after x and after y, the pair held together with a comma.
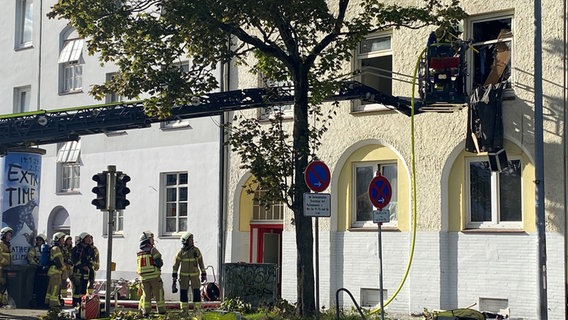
x: 413, y: 175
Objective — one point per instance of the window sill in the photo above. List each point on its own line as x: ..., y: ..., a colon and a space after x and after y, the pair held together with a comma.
x: 23, y: 47
x: 494, y: 230
x: 63, y: 93
x: 374, y: 229
x: 67, y: 193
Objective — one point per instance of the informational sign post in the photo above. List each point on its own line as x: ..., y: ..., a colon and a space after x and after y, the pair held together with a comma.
x: 317, y: 204
x: 380, y: 193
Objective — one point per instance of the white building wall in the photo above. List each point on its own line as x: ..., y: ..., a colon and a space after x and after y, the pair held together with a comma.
x: 143, y: 154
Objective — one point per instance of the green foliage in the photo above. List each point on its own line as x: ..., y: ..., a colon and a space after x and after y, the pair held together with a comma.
x: 55, y: 313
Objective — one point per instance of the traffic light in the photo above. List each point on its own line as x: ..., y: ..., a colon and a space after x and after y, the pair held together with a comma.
x: 121, y: 190
x: 101, y: 201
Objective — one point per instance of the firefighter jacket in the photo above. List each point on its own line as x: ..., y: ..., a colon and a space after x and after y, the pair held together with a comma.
x: 56, y: 261
x: 191, y: 262
x: 82, y: 257
x: 149, y: 262
x: 96, y: 263
x: 33, y: 255
x: 5, y: 254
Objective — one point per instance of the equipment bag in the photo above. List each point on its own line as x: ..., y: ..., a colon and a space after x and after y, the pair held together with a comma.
x: 44, y: 258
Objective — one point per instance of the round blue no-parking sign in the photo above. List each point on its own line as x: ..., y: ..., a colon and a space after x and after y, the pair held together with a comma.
x: 380, y: 191
x: 317, y: 176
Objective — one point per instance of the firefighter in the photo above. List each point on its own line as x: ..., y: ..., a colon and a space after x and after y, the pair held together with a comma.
x: 190, y: 260
x: 40, y: 279
x: 95, y: 264
x: 82, y: 256
x: 52, y: 296
x: 66, y: 250
x: 5, y: 260
x: 149, y: 264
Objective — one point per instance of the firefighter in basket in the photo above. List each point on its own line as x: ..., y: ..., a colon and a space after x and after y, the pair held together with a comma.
x: 5, y: 260
x: 190, y: 260
x: 52, y: 296
x: 149, y: 264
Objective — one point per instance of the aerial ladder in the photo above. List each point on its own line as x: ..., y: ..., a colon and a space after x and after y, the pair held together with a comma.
x: 441, y: 80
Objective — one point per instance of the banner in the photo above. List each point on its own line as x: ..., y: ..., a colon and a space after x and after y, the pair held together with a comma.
x: 20, y: 200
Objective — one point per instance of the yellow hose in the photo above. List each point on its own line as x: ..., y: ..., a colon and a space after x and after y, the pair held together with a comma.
x: 413, y: 176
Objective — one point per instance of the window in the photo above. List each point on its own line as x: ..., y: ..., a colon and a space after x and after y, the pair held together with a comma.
x: 374, y: 61
x: 273, y: 211
x: 494, y: 198
x: 112, y: 97
x: 69, y: 166
x: 492, y: 40
x: 176, y: 201
x: 24, y: 23
x: 22, y: 97
x: 117, y: 226
x: 270, y: 112
x: 363, y: 208
x: 180, y: 123
x: 70, y: 61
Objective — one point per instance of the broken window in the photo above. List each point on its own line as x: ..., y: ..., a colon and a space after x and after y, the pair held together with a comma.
x: 492, y: 43
x: 374, y: 62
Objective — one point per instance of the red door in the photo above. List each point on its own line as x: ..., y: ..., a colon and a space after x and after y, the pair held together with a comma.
x: 266, y: 245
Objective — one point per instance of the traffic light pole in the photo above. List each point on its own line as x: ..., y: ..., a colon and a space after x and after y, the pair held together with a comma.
x: 111, y: 196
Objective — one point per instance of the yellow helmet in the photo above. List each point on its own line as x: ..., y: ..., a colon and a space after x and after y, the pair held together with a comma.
x: 83, y: 235
x: 184, y: 237
x: 146, y: 236
x: 42, y: 237
x: 4, y: 231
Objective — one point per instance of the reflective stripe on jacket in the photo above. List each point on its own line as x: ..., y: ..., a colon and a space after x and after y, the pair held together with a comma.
x: 146, y: 266
x: 191, y: 262
x: 56, y: 258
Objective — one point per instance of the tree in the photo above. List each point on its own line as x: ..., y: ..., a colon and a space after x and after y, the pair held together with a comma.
x: 302, y: 42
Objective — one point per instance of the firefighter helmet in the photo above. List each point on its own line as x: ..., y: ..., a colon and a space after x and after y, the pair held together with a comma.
x: 4, y: 231
x: 184, y: 237
x: 57, y: 236
x: 146, y: 236
x: 83, y: 235
x: 42, y: 237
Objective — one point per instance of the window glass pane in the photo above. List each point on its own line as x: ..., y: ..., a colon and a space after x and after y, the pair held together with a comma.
x: 183, y: 194
x: 171, y: 210
x: 487, y: 49
x: 183, y: 209
x: 28, y: 21
x: 480, y: 191
x: 183, y: 178
x: 375, y: 44
x: 171, y: 179
x: 390, y: 172
x: 510, y: 192
x: 171, y: 194
x: 171, y: 225
x: 364, y: 207
x: 182, y: 225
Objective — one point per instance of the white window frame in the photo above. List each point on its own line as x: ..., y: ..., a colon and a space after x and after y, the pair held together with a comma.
x: 71, y: 66
x: 271, y: 112
x: 22, y: 99
x: 69, y: 166
x: 365, y: 72
x: 170, y: 206
x: 118, y: 225
x: 24, y: 24
x: 179, y: 123
x: 495, y: 196
x: 393, y: 204
x: 477, y: 44
x: 274, y: 212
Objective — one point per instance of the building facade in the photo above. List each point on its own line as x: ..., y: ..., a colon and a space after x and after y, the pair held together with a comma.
x: 460, y: 234
x: 174, y: 166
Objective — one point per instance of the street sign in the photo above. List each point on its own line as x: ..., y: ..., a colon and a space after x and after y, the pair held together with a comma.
x: 317, y: 176
x: 317, y: 204
x: 380, y: 191
x: 381, y: 216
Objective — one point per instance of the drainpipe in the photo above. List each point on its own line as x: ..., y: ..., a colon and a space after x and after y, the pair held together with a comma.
x: 539, y: 163
x: 564, y: 99
x: 40, y: 45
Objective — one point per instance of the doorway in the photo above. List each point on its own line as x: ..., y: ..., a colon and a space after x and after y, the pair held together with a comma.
x: 266, y: 246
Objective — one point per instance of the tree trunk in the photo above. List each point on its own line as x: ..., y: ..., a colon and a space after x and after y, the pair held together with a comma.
x: 304, y: 235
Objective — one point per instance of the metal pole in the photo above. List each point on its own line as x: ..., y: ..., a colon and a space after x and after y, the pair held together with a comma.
x: 539, y: 162
x: 111, y: 196
x: 381, y: 298
x: 317, y: 267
